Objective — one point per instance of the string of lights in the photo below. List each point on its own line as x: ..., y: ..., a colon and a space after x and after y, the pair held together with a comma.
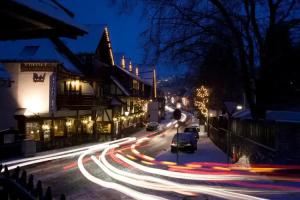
x: 201, y: 100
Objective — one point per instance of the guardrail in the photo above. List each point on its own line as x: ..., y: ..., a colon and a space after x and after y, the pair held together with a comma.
x: 17, y: 185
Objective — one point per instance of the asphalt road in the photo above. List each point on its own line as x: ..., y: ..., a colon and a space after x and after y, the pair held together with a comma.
x: 64, y: 177
x: 202, y: 175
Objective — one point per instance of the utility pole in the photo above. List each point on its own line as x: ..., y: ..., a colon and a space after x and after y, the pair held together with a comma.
x: 177, y: 116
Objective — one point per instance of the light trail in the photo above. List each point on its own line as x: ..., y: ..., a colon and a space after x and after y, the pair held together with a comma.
x: 64, y: 154
x: 164, y: 180
x: 150, y: 180
x: 128, y: 191
x: 174, y: 174
x: 153, y: 183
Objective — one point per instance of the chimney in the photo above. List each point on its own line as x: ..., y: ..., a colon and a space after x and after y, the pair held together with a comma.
x: 154, y: 84
x: 137, y: 71
x: 123, y: 62
x: 130, y: 66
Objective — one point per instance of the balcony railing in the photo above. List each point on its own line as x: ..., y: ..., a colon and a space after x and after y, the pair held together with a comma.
x: 75, y: 101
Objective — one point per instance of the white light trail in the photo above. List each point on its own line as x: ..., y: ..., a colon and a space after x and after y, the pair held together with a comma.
x: 165, y: 185
x: 144, y: 181
x: 128, y: 191
x: 172, y: 174
x: 54, y: 156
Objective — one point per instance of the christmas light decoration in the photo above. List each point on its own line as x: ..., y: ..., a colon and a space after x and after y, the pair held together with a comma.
x: 201, y: 100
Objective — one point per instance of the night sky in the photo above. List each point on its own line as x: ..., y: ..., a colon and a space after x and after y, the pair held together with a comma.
x: 124, y: 29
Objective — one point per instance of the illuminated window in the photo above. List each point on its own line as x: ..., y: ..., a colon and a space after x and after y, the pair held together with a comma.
x: 33, y: 131
x: 135, y: 84
x: 59, y: 126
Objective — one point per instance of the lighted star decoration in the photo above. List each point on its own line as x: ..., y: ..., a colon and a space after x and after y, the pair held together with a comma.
x: 201, y: 100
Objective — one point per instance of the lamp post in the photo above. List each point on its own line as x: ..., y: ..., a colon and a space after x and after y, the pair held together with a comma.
x: 177, y: 116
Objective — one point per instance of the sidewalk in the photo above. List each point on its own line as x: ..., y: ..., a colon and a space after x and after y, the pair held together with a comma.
x: 207, y: 152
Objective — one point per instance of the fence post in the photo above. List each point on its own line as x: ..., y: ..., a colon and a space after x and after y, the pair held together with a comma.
x: 6, y: 172
x: 30, y: 185
x: 23, y: 179
x: 62, y: 197
x: 39, y: 190
x: 16, y: 173
x: 48, y: 195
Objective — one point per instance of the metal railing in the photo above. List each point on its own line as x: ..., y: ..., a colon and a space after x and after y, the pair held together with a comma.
x: 17, y: 185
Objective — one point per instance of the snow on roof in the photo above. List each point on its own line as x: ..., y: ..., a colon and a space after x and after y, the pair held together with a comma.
x: 284, y: 116
x: 3, y: 73
x: 230, y: 106
x: 115, y: 102
x: 132, y: 74
x: 243, y: 114
x: 87, y: 43
x: 272, y: 115
x: 48, y: 8
x: 122, y: 88
x: 34, y: 50
x: 118, y: 57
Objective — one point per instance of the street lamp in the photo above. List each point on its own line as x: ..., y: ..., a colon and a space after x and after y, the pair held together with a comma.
x: 239, y: 107
x: 126, y: 113
x: 177, y: 116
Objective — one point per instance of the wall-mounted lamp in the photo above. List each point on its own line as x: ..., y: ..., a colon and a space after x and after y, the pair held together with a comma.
x: 126, y: 113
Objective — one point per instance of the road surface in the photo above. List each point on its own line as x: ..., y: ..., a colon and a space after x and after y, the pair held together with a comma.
x: 144, y: 168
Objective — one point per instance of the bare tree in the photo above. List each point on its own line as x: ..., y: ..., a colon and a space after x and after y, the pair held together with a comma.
x: 181, y: 31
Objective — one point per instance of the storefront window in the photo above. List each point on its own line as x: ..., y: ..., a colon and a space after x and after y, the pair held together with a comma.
x: 70, y: 124
x: 87, y: 124
x: 104, y: 127
x: 59, y: 126
x: 33, y: 131
x: 46, y: 130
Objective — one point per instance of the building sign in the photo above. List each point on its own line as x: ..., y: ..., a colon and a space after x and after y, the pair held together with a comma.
x: 53, y: 93
x: 33, y: 67
x: 38, y: 77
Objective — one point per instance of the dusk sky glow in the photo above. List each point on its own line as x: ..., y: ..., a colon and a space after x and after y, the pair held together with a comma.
x: 124, y: 29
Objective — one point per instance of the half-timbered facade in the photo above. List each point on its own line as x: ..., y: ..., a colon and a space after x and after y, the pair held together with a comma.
x: 121, y: 94
x: 48, y: 97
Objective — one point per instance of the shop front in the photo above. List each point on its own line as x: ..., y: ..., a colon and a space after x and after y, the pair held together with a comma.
x: 51, y: 132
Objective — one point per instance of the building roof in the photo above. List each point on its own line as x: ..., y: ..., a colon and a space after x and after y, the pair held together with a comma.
x: 230, y: 106
x: 35, y: 50
x: 122, y: 88
x: 87, y: 43
x: 3, y: 73
x: 116, y: 102
x: 118, y: 57
x: 35, y: 19
x: 272, y: 115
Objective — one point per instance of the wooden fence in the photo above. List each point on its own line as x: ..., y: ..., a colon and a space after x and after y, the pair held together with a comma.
x: 17, y: 185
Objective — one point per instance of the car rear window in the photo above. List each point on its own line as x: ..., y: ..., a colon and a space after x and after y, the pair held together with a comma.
x: 189, y: 129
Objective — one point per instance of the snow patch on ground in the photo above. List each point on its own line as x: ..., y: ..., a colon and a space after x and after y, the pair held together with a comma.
x: 207, y: 152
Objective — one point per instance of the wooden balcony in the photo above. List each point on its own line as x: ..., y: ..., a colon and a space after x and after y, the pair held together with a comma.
x: 75, y: 101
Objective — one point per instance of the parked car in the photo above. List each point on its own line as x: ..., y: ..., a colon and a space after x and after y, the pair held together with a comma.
x: 186, y: 141
x: 195, y: 130
x: 152, y: 126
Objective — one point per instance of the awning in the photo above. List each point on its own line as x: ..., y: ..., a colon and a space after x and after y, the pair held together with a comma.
x: 36, y: 19
x: 4, y: 75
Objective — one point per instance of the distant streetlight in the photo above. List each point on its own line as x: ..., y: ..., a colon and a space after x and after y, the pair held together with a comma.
x: 239, y: 107
x: 172, y: 100
x: 126, y: 113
